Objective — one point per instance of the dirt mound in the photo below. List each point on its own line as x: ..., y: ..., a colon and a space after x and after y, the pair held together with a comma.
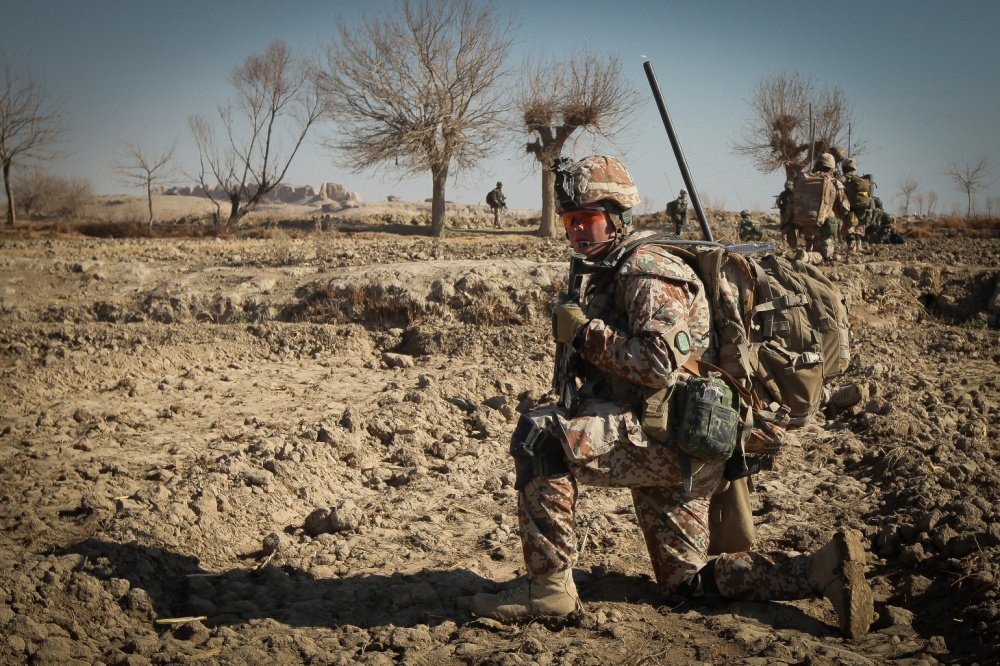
x: 292, y: 449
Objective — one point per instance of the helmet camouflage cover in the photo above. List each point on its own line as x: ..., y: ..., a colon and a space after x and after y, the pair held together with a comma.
x: 598, y: 178
x: 826, y: 160
x: 838, y: 152
x: 849, y: 164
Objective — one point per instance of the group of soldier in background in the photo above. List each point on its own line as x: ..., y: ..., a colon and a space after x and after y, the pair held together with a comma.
x: 835, y: 204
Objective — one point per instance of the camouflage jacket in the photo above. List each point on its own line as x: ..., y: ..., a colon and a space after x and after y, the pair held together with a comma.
x: 647, y: 318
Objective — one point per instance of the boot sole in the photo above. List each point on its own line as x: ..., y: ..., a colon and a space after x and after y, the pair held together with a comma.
x: 860, y: 611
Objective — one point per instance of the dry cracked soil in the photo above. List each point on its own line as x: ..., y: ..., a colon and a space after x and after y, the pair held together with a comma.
x: 290, y: 447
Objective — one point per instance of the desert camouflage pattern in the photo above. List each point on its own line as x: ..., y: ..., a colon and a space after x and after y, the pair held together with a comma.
x: 600, y: 178
x: 763, y: 576
x: 629, y: 350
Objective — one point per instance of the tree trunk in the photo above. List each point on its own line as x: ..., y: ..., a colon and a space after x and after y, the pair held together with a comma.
x: 149, y: 198
x: 9, y: 193
x: 439, y: 177
x: 548, y: 226
x: 234, y: 209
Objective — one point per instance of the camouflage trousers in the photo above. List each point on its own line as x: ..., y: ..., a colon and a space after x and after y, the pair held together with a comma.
x: 674, y: 523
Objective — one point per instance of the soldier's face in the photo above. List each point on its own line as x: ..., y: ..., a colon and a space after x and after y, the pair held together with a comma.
x: 590, y: 232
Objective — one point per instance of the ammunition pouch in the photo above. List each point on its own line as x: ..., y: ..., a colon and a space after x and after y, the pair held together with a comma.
x: 830, y: 228
x: 656, y: 414
x: 708, y: 423
x: 536, y: 453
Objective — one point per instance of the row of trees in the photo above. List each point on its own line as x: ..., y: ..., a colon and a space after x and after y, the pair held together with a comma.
x: 421, y: 89
x: 969, y: 177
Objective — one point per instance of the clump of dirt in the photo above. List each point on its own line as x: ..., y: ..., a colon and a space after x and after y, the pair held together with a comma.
x: 293, y: 450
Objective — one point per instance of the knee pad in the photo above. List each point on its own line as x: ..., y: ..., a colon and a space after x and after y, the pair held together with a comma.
x: 535, y: 453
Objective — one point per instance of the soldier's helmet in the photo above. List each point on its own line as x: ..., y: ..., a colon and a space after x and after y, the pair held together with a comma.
x: 499, y: 184
x: 789, y: 184
x: 838, y: 153
x: 683, y: 193
x: 849, y: 165
x: 594, y: 179
x: 826, y: 161
x: 744, y: 213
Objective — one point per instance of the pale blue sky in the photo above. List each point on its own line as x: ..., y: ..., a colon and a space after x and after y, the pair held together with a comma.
x: 923, y: 78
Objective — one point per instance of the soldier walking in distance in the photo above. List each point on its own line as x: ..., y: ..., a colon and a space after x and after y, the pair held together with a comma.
x: 677, y: 211
x: 818, y: 204
x: 496, y: 200
x: 783, y: 202
x: 640, y: 321
x: 858, y: 190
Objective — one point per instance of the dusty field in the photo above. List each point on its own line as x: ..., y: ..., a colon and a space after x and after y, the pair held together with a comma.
x: 292, y: 449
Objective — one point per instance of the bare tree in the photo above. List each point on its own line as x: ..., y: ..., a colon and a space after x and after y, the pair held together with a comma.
x: 992, y: 206
x: 778, y: 133
x: 140, y: 168
x: 262, y: 129
x: 932, y: 199
x: 555, y: 99
x: 907, y: 187
x: 970, y: 177
x: 30, y: 124
x: 918, y: 202
x: 417, y: 90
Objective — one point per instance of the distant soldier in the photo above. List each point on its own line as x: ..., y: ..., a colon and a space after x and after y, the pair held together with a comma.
x: 783, y: 202
x: 748, y: 229
x: 883, y: 227
x: 818, y: 205
x: 859, y: 190
x: 677, y: 212
x: 498, y: 202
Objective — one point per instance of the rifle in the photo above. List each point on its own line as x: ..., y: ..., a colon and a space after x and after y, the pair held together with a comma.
x: 564, y: 375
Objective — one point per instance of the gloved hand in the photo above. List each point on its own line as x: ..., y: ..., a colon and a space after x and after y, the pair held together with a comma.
x: 567, y: 320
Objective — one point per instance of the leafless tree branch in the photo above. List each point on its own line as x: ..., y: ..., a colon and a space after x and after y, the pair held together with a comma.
x: 275, y: 107
x: 138, y: 167
x: 970, y: 177
x: 586, y: 92
x: 777, y: 134
x: 30, y: 124
x: 418, y: 91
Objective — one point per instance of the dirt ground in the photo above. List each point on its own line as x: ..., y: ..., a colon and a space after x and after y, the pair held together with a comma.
x: 289, y: 446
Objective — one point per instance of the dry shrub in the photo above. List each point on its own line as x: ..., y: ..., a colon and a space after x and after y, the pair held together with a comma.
x: 39, y: 194
x: 933, y: 228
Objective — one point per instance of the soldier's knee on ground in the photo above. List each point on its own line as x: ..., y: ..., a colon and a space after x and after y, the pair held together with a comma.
x: 536, y: 453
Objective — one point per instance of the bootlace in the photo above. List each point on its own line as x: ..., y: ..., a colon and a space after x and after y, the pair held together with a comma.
x: 510, y: 594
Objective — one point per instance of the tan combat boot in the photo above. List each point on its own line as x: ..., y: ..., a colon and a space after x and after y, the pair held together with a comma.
x: 547, y: 595
x: 837, y: 571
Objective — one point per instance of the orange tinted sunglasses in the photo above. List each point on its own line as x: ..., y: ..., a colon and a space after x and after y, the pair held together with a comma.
x: 582, y: 217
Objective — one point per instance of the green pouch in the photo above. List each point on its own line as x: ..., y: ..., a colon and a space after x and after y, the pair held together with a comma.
x: 830, y: 228
x: 707, y: 418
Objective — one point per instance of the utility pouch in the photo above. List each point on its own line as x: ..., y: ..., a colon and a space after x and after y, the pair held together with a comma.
x: 830, y: 228
x: 707, y: 418
x: 656, y: 414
